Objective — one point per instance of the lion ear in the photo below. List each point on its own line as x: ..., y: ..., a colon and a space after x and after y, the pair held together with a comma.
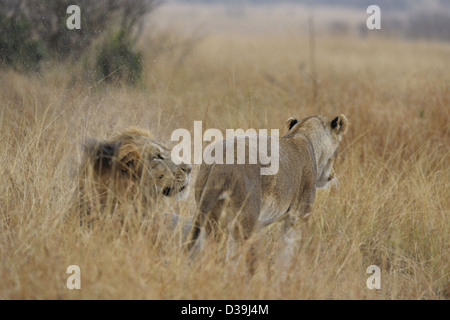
x: 101, y: 153
x: 291, y: 122
x: 339, y: 125
x: 129, y: 155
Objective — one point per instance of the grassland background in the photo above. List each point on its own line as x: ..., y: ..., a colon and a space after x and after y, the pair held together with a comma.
x: 391, y: 208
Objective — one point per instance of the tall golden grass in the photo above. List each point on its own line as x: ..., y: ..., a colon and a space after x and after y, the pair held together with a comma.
x: 391, y: 209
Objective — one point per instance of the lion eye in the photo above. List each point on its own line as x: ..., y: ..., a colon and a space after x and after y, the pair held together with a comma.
x: 158, y: 156
x: 129, y: 164
x: 159, y: 176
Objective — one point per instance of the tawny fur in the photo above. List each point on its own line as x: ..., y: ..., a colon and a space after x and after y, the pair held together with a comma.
x: 240, y: 199
x: 130, y: 167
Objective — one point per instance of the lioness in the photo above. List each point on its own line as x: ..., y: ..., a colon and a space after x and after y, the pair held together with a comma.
x: 241, y: 199
x: 131, y: 166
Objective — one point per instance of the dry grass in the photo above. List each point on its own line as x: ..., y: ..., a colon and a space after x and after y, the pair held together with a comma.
x: 392, y: 208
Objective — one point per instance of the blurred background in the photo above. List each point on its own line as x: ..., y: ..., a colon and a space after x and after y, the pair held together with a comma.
x: 421, y: 19
x: 32, y: 31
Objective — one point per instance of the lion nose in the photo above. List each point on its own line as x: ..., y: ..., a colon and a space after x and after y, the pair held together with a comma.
x: 186, y: 168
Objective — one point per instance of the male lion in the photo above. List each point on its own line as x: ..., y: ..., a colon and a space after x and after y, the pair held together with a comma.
x: 242, y: 200
x: 132, y: 167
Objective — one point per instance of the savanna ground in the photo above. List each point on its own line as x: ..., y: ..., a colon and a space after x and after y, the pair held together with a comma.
x: 391, y: 208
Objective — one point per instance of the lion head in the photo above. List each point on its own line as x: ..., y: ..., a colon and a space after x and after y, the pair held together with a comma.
x: 324, y: 135
x: 129, y: 166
